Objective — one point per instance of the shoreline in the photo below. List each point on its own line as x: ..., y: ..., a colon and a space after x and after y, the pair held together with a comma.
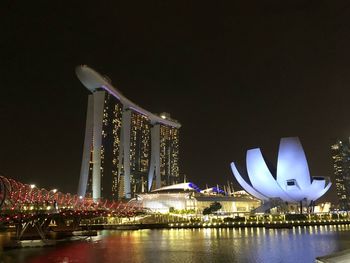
x: 171, y: 225
x: 269, y: 225
x: 85, y: 233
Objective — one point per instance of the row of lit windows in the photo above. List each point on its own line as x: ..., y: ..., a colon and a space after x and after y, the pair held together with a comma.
x: 341, y: 165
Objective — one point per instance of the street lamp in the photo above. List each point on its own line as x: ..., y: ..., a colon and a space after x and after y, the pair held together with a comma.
x: 31, y: 195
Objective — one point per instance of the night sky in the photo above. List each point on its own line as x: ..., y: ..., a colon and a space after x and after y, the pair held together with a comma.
x: 235, y: 74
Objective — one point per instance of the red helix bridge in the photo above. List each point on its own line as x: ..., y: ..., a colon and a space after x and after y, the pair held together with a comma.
x: 23, y: 205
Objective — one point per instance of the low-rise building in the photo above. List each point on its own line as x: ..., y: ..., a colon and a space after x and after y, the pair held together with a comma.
x: 187, y: 196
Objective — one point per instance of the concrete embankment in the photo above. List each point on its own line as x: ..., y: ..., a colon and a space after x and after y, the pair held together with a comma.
x: 338, y: 257
x: 274, y: 224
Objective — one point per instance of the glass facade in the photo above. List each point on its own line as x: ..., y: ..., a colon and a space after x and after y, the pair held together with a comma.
x: 140, y: 151
x: 125, y: 147
x: 341, y: 165
x: 165, y: 202
x: 169, y: 155
x: 112, y: 161
x: 110, y: 150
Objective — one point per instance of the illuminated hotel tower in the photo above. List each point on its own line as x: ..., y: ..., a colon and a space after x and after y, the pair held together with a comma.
x: 341, y: 165
x: 127, y: 149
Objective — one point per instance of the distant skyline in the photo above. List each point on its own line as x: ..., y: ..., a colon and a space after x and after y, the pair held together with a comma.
x: 236, y: 75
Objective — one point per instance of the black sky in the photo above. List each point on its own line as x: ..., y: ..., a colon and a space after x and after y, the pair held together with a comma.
x: 236, y: 74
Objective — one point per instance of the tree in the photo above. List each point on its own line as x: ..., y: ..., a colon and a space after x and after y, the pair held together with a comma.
x: 207, y: 211
x: 215, y: 206
x: 212, y: 208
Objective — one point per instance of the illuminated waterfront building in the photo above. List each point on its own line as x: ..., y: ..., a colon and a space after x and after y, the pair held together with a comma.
x: 289, y: 182
x: 169, y: 155
x: 187, y: 196
x: 341, y: 164
x: 127, y: 149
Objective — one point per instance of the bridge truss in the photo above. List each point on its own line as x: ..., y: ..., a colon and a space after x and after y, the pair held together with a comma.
x: 26, y: 206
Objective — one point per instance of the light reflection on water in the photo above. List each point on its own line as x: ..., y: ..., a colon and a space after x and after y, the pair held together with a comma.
x: 300, y: 244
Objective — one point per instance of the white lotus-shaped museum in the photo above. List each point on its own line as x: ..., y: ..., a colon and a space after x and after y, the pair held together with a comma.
x: 291, y: 182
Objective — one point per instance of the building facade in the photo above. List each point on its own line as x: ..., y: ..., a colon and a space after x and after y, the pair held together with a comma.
x: 341, y: 165
x: 127, y: 149
x: 289, y: 182
x: 187, y: 196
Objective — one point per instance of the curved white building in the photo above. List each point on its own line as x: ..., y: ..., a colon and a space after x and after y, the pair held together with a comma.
x: 126, y: 147
x: 291, y: 181
x: 188, y: 196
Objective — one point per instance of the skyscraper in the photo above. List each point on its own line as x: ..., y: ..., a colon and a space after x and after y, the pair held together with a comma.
x: 127, y: 149
x: 341, y: 164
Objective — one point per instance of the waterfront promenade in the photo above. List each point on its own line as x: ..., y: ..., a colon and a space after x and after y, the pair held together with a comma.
x: 157, y: 221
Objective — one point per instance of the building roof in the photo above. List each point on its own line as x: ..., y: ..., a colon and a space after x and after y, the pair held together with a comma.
x: 92, y: 80
x: 221, y: 198
x: 214, y: 189
x: 178, y: 188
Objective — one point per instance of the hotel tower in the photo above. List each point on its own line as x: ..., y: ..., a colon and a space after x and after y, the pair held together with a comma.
x: 127, y: 149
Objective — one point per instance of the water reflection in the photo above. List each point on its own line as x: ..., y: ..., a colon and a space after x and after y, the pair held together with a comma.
x: 300, y: 244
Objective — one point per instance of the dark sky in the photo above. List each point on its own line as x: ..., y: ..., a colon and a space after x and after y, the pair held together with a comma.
x: 236, y: 74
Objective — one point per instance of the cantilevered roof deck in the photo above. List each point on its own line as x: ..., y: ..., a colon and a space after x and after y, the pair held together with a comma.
x: 92, y: 80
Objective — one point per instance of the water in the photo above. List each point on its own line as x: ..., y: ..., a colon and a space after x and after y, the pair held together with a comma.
x: 300, y: 244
